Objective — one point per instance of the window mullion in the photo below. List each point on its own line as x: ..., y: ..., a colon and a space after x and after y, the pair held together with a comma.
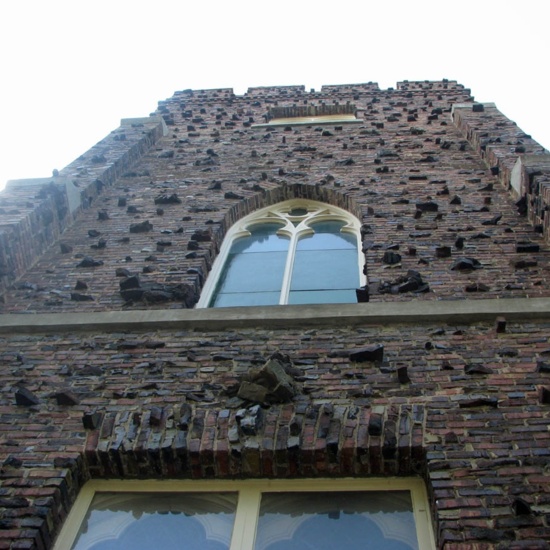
x: 285, y: 288
x: 246, y: 518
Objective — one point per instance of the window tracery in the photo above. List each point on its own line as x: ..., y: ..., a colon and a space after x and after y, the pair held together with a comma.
x: 295, y: 252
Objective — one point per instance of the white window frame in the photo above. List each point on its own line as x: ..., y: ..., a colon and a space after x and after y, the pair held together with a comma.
x: 310, y: 120
x: 317, y: 211
x: 249, y: 496
x: 299, y: 115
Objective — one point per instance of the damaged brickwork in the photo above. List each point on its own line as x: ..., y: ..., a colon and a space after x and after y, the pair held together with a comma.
x: 462, y: 405
x: 426, y: 174
x: 451, y: 197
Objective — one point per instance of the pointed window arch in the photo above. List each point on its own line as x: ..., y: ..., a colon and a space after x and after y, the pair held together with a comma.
x: 294, y: 252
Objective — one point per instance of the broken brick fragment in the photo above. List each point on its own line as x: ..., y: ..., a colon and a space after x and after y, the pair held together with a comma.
x: 465, y: 264
x: 429, y: 206
x: 376, y: 422
x: 526, y: 247
x: 474, y: 402
x: 500, y: 325
x: 369, y: 353
x: 168, y: 199
x: 92, y: 420
x: 88, y: 261
x: 477, y: 369
x: 142, y: 227
x: 25, y: 397
x: 66, y: 397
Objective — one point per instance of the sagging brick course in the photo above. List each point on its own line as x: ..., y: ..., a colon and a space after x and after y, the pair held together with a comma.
x: 464, y: 406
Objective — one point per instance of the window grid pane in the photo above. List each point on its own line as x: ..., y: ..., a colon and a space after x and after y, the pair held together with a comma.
x: 253, y: 272
x: 325, y: 269
x: 254, y: 269
x: 328, y: 520
x: 296, y: 297
x: 171, y: 521
x: 247, y: 299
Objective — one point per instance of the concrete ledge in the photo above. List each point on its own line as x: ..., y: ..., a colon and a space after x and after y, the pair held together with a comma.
x: 470, y: 106
x: 318, y: 315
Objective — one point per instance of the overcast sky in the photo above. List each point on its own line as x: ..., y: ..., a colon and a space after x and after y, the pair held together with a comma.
x: 71, y: 69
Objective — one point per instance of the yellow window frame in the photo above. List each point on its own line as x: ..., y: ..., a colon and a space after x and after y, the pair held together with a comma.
x: 249, y: 496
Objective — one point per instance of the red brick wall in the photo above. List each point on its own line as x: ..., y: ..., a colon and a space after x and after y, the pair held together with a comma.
x: 465, y: 406
x: 468, y: 415
x: 408, y: 151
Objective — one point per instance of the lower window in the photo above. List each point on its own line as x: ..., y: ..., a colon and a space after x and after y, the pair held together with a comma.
x: 250, y: 515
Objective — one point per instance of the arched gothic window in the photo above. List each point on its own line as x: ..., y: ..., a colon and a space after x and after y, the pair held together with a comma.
x: 295, y: 252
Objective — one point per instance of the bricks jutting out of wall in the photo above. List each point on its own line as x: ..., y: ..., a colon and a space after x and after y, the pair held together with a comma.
x: 449, y: 193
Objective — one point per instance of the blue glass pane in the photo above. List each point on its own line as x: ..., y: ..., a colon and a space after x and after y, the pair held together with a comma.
x: 171, y: 522
x: 327, y: 237
x: 247, y: 299
x: 346, y: 296
x: 328, y: 521
x: 263, y: 238
x: 329, y: 226
x: 255, y: 265
x: 253, y: 272
x: 322, y: 270
x: 298, y: 212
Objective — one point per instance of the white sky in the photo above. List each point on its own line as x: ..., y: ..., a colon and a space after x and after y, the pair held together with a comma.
x: 71, y: 69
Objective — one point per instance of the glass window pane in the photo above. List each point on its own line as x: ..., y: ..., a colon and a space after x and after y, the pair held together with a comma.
x: 253, y: 272
x: 141, y: 521
x: 346, y: 296
x: 346, y: 520
x: 263, y: 238
x: 327, y: 241
x: 298, y: 212
x: 328, y: 226
x: 247, y: 299
x: 255, y: 265
x: 320, y: 241
x: 325, y: 269
x: 327, y: 237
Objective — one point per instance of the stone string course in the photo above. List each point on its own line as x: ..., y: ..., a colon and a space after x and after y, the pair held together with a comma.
x: 428, y: 173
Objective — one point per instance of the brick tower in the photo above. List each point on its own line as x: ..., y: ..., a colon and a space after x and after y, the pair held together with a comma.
x: 335, y: 294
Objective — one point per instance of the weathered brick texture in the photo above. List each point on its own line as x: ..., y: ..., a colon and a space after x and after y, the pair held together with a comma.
x: 165, y: 404
x: 433, y: 178
x: 216, y: 167
x: 34, y: 215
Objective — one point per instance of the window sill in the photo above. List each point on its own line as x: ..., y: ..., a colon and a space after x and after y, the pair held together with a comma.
x: 286, y: 317
x: 310, y: 121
